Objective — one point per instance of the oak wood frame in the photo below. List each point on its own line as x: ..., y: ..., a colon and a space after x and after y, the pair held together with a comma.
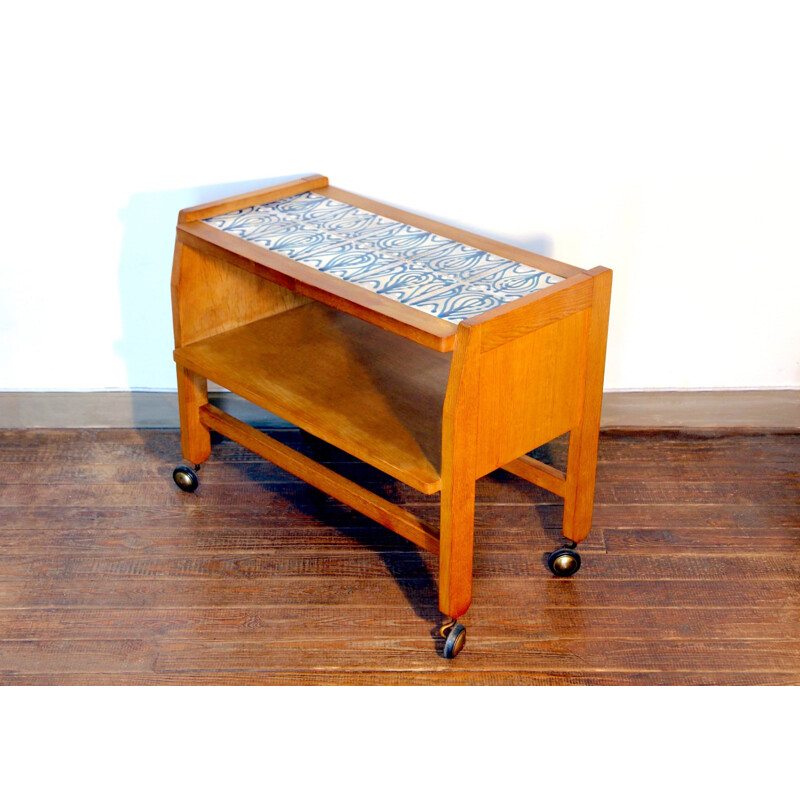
x: 521, y: 374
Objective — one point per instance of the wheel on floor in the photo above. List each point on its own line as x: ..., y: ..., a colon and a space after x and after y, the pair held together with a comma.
x: 185, y: 478
x: 564, y: 562
x: 455, y: 637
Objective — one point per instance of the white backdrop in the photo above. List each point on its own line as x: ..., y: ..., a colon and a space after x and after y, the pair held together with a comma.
x: 660, y: 140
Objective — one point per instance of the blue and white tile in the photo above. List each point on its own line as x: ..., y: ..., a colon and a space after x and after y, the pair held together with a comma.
x: 245, y: 224
x: 454, y: 258
x: 514, y: 281
x: 357, y: 223
x: 330, y: 217
x: 412, y: 284
x: 402, y: 240
x: 293, y: 243
x: 289, y: 237
x: 465, y: 263
x: 377, y: 277
x: 270, y: 234
x: 225, y: 220
x: 343, y: 255
x: 371, y: 225
x: 300, y: 205
x: 457, y: 302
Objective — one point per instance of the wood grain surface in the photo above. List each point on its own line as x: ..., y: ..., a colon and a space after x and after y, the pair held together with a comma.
x: 110, y: 575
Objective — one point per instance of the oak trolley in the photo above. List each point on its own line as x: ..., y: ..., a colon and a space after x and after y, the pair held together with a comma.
x: 433, y: 354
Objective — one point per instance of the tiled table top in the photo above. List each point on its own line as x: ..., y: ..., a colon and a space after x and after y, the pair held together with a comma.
x: 444, y: 278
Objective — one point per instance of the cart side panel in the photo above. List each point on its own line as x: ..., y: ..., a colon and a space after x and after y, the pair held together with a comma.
x: 533, y: 366
x: 211, y: 296
x: 531, y: 391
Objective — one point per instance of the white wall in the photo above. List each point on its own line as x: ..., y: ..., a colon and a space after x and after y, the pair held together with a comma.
x: 658, y: 139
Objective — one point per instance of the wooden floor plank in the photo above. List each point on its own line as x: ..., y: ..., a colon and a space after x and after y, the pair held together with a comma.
x: 321, y: 538
x: 493, y: 489
x: 316, y: 538
x: 415, y: 595
x: 613, y: 475
x: 365, y: 565
x: 702, y: 540
x: 392, y: 654
x: 65, y: 656
x: 314, y: 623
x: 450, y: 675
x: 484, y: 654
x: 284, y: 513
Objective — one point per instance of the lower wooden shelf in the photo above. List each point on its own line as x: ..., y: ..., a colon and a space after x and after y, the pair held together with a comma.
x: 375, y: 395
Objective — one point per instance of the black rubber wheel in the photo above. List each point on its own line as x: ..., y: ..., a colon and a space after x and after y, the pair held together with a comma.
x: 455, y: 641
x: 564, y: 562
x: 185, y: 478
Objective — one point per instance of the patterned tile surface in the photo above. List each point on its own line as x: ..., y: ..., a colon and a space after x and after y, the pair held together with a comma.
x: 450, y: 280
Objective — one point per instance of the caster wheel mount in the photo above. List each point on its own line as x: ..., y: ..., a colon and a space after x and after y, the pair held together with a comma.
x: 564, y: 562
x: 455, y: 637
x: 185, y: 478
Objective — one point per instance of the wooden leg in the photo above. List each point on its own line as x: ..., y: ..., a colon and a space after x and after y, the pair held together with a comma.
x: 582, y: 455
x: 455, y: 543
x: 459, y: 445
x: 579, y: 496
x: 192, y: 395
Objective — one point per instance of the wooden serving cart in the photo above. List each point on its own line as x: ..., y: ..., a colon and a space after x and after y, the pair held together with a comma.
x: 431, y: 353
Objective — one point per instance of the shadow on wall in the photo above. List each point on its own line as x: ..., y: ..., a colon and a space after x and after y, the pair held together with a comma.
x: 145, y: 266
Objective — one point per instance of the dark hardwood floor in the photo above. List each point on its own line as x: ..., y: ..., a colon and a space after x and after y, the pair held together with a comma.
x: 109, y: 574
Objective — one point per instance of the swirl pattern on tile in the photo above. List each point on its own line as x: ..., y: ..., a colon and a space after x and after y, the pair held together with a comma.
x: 447, y: 279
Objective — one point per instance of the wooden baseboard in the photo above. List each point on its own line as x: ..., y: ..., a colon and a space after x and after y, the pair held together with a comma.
x: 757, y: 408
x: 753, y: 408
x: 114, y: 410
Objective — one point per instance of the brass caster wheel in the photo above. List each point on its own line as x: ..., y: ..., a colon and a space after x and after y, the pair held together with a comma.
x: 185, y: 478
x: 564, y: 562
x: 455, y: 637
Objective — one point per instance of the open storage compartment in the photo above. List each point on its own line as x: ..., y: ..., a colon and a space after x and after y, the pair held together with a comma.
x: 371, y: 393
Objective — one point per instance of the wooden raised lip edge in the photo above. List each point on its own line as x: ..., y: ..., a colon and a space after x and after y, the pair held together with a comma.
x: 235, y: 202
